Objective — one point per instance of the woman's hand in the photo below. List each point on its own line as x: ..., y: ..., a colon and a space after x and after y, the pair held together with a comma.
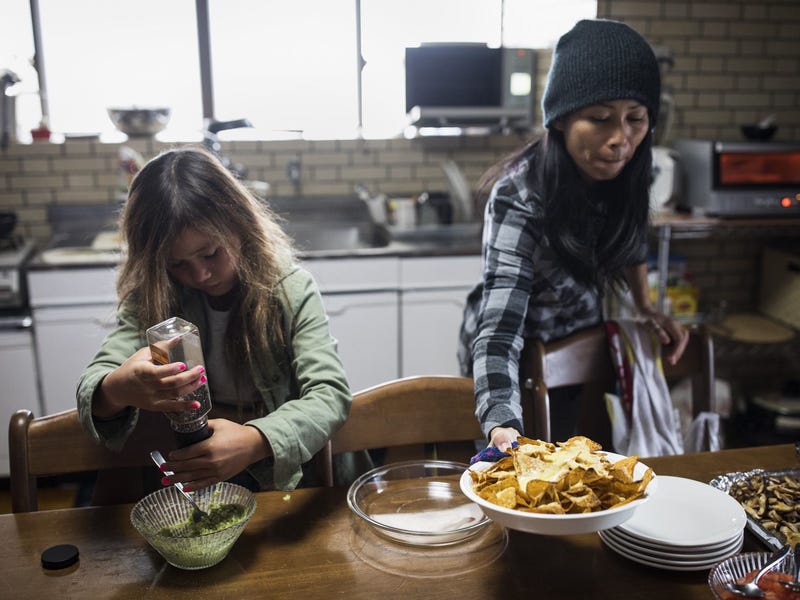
x: 503, y: 437
x: 229, y: 450
x: 140, y: 383
x: 673, y: 336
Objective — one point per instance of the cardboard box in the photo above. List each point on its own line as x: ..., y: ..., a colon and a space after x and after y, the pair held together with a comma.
x: 779, y: 296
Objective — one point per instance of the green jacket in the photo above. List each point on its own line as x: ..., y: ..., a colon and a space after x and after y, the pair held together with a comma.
x: 306, y: 394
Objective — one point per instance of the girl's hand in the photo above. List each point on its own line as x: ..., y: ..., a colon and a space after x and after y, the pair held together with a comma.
x: 503, y: 437
x: 229, y: 450
x: 140, y: 383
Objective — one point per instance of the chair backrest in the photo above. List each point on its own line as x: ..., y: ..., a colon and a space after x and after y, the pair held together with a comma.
x: 585, y: 358
x: 57, y: 445
x: 411, y: 410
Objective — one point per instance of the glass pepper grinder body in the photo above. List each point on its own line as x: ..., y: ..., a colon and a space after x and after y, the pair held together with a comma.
x: 177, y: 340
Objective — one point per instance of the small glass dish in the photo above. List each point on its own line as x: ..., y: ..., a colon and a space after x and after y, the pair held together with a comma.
x: 167, y: 508
x: 416, y: 502
x: 737, y: 567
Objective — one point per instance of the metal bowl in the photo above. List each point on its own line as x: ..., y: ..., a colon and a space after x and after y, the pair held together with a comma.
x: 758, y: 133
x: 138, y: 121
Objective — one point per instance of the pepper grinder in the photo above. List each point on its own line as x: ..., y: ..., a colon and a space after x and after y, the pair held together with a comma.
x: 177, y: 340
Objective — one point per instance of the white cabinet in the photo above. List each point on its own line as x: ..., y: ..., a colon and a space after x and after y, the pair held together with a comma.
x: 73, y: 310
x: 433, y: 295
x: 365, y: 326
x: 361, y: 299
x: 18, y: 376
x: 67, y: 337
x: 391, y: 316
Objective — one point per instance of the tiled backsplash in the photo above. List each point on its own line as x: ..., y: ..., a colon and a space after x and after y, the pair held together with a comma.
x: 735, y: 61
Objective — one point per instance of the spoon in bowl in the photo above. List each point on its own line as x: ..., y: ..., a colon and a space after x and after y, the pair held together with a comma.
x: 794, y: 586
x: 198, y: 513
x: 751, y: 589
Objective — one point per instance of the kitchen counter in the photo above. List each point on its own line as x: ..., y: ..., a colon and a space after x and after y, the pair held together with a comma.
x: 69, y: 256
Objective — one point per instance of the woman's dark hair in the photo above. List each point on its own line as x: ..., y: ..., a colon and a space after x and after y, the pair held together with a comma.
x: 593, y: 255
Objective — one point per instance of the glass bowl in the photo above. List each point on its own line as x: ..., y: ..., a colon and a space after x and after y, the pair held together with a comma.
x: 736, y: 567
x: 167, y: 508
x: 551, y: 524
x: 416, y: 502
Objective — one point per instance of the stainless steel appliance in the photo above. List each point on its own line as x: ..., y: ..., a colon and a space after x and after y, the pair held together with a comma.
x: 740, y: 179
x: 17, y: 360
x: 463, y: 84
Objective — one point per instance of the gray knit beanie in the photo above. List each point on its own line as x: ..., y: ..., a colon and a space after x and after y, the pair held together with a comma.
x: 600, y: 60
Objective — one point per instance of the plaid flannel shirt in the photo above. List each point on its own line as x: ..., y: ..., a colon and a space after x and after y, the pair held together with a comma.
x: 525, y: 292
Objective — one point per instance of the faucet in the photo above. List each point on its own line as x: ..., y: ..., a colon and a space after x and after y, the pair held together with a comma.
x: 211, y: 142
x: 7, y: 108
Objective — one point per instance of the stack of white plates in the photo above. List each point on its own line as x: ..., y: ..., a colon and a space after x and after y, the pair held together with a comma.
x: 685, y: 526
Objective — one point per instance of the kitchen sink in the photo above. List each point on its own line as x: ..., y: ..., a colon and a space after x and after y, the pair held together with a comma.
x: 329, y: 223
x: 320, y: 236
x: 443, y: 235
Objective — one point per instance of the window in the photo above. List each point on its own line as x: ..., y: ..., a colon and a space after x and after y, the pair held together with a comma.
x: 290, y: 67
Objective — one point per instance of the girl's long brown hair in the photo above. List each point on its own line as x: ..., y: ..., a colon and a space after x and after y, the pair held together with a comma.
x: 189, y: 187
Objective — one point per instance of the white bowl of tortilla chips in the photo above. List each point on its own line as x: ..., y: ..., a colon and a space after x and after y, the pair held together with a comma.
x: 570, y: 487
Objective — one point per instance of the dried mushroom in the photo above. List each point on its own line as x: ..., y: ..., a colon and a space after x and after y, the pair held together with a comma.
x: 773, y: 501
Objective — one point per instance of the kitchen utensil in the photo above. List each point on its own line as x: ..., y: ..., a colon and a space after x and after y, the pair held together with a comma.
x: 138, y: 121
x: 751, y: 589
x: 198, y: 512
x: 794, y: 586
x: 8, y: 220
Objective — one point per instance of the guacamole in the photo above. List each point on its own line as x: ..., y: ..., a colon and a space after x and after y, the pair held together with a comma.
x: 219, y: 516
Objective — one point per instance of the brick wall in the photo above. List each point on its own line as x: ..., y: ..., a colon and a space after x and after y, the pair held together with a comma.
x: 735, y: 61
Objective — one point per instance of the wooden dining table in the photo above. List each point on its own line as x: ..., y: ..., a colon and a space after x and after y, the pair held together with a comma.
x: 306, y: 544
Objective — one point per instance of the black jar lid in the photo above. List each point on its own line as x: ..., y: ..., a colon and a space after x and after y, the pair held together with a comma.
x: 60, y: 557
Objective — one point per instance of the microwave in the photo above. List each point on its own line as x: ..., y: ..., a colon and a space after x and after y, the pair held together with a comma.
x: 740, y: 179
x: 464, y: 84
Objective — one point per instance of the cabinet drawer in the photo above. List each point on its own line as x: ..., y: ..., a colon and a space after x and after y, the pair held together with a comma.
x: 440, y: 272
x: 355, y: 274
x: 64, y: 287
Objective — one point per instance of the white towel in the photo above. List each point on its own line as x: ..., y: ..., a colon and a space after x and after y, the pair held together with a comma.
x: 643, y: 420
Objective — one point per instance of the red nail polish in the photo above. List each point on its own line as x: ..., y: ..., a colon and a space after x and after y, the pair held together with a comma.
x: 195, y: 405
x: 182, y: 367
x: 162, y: 468
x: 201, y: 370
x: 165, y: 481
x: 203, y: 379
x: 186, y: 488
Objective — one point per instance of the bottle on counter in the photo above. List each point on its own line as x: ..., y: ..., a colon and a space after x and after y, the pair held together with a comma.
x: 177, y: 340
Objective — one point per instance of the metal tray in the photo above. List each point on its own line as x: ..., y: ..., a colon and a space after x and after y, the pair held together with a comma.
x: 724, y: 482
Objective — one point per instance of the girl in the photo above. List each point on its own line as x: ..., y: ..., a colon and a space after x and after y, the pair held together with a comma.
x: 201, y: 247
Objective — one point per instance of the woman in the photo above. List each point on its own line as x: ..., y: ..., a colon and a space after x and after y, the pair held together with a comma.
x: 567, y: 218
x: 201, y: 247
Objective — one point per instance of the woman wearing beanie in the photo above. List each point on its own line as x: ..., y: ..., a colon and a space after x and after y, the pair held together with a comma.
x: 567, y: 218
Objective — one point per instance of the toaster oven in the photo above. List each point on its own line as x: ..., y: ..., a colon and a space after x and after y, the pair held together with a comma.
x: 740, y: 179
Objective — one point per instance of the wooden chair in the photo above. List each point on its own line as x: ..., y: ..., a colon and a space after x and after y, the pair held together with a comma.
x: 584, y: 358
x: 408, y: 411
x: 57, y: 445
